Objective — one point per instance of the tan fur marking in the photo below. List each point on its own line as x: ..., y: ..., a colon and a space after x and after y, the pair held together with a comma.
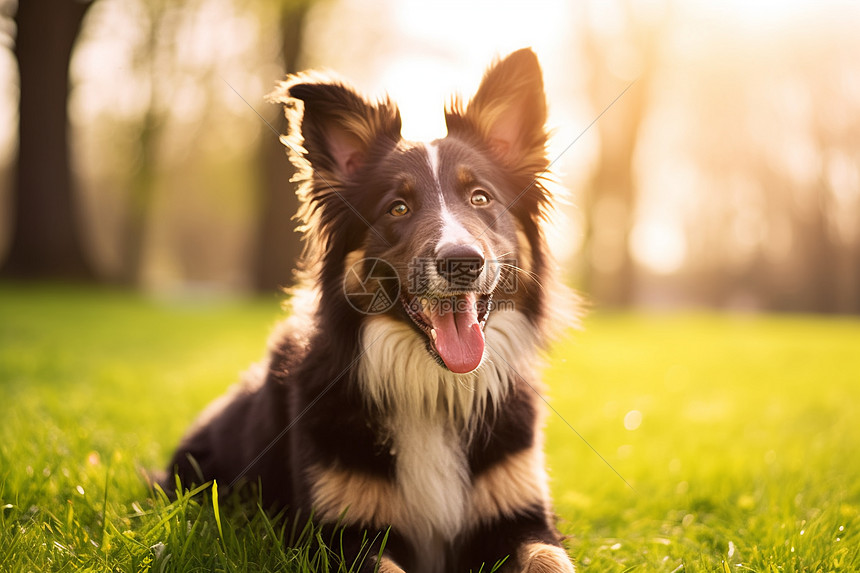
x: 367, y: 500
x: 542, y: 558
x: 407, y: 183
x: 386, y: 565
x: 351, y: 278
x: 465, y: 176
x: 517, y: 483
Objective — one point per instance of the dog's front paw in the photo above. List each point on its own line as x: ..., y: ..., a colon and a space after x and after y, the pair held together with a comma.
x: 542, y: 558
x: 385, y: 565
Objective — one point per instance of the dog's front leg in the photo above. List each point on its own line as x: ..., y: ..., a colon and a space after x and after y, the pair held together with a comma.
x: 527, y: 543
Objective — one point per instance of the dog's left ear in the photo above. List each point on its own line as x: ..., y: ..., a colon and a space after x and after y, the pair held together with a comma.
x: 508, y: 112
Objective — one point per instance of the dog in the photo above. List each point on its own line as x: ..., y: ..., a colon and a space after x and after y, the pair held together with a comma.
x: 400, y: 395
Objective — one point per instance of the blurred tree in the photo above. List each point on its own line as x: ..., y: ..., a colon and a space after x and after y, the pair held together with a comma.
x: 624, y: 46
x: 278, y: 244
x: 142, y: 187
x: 169, y: 198
x: 776, y: 145
x: 46, y: 241
x: 831, y: 239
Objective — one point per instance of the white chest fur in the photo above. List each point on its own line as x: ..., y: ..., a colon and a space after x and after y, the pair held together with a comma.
x: 430, y: 410
x: 433, y: 482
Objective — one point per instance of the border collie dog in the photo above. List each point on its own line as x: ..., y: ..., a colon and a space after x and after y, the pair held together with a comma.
x: 400, y: 395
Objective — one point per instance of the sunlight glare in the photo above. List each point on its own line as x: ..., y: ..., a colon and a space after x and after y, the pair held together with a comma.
x: 8, y: 103
x: 439, y: 56
x: 420, y: 100
x: 632, y: 420
x: 659, y: 245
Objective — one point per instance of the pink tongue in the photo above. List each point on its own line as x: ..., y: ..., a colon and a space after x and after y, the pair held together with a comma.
x: 459, y: 338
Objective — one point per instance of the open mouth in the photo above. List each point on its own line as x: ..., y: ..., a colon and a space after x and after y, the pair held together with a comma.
x: 454, y: 326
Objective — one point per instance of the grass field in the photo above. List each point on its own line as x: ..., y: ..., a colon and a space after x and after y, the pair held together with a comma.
x: 739, y: 438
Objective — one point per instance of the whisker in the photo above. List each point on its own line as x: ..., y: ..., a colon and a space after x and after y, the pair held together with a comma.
x: 520, y: 270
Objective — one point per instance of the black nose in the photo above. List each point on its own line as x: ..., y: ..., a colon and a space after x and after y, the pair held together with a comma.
x: 460, y: 265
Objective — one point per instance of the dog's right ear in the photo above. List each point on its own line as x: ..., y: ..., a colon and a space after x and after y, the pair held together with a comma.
x: 334, y: 125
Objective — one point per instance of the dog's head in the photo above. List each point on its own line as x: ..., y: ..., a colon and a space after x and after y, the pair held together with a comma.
x: 435, y: 234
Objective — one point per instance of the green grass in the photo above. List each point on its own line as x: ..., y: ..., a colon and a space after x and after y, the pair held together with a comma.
x: 746, y: 457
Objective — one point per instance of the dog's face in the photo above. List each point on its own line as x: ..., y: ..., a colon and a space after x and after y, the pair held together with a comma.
x: 444, y: 226
x: 451, y: 222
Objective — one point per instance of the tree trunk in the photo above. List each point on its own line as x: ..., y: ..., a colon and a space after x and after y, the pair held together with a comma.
x: 610, y: 275
x: 46, y: 241
x: 142, y: 186
x: 611, y: 201
x: 278, y: 244
x: 141, y: 196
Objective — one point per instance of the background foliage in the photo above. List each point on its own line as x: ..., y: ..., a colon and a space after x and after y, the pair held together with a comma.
x: 727, y: 175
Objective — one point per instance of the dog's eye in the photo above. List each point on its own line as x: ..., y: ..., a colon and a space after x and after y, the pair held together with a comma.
x: 398, y: 209
x: 480, y: 198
